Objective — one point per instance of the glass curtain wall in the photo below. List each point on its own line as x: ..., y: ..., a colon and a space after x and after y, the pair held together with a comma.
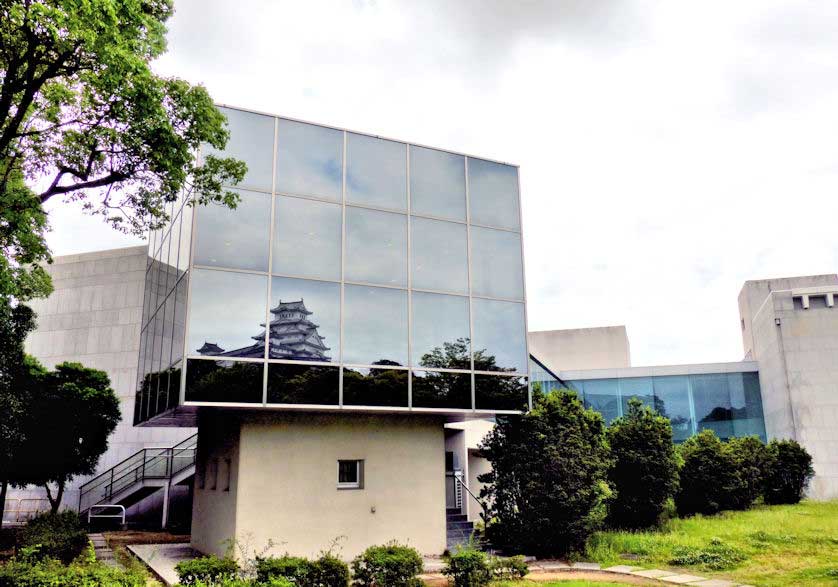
x: 355, y: 271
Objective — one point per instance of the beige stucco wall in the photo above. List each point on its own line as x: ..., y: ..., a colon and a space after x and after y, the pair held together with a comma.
x: 216, y: 482
x: 581, y: 348
x: 285, y: 484
x: 477, y: 466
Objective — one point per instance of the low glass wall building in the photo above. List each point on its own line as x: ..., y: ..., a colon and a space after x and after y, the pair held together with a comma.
x: 356, y: 272
x: 693, y: 397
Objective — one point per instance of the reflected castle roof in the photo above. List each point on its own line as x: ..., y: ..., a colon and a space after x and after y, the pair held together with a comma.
x: 292, y: 336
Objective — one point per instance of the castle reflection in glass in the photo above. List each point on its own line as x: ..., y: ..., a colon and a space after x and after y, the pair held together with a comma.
x: 355, y: 272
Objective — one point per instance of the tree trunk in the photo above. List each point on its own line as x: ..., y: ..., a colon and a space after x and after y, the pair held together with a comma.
x: 3, y: 486
x: 55, y: 503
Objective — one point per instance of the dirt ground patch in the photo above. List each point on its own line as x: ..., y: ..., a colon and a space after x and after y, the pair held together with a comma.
x: 125, y: 537
x: 575, y: 575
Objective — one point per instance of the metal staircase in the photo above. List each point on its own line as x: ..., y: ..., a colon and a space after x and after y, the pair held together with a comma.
x: 143, y: 473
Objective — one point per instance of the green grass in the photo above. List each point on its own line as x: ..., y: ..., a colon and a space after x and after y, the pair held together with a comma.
x: 568, y: 583
x: 767, y: 546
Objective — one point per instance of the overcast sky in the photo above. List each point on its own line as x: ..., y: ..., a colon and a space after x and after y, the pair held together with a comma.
x: 668, y: 150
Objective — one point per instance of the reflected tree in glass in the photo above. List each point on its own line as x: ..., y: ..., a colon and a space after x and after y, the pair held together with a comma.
x: 302, y: 384
x: 224, y: 381
x: 499, y: 392
x: 375, y: 387
x: 437, y: 389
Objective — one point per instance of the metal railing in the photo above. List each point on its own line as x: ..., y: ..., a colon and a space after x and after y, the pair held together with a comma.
x: 459, y: 486
x: 105, y: 507
x: 26, y: 508
x: 148, y: 463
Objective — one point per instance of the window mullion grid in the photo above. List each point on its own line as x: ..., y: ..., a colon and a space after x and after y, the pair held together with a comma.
x: 271, y: 228
x: 342, y: 266
x: 524, y: 284
x: 409, y: 283
x: 470, y: 299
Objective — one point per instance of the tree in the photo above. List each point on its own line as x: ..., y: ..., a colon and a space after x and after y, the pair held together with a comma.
x: 16, y: 322
x: 72, y: 412
x: 710, y: 480
x: 83, y: 116
x: 644, y: 467
x: 788, y: 471
x: 547, y: 487
x: 750, y: 458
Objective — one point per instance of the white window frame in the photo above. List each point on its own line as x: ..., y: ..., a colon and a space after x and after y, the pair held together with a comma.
x: 359, y: 469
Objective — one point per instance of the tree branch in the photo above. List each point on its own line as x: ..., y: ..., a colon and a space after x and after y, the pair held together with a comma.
x: 56, y: 189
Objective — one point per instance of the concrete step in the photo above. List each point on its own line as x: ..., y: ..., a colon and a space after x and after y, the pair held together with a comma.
x: 453, y: 511
x: 460, y: 525
x: 456, y: 518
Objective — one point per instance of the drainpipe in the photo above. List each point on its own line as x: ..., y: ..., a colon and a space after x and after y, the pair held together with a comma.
x: 779, y: 325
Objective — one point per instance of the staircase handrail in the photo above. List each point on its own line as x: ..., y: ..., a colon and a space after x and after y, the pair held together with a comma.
x: 459, y: 479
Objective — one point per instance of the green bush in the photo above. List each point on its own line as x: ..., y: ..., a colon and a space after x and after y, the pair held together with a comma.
x: 468, y: 567
x: 710, y: 479
x: 788, y: 471
x: 644, y: 467
x: 326, y: 571
x: 389, y: 565
x: 508, y: 569
x: 749, y: 457
x: 716, y: 556
x: 60, y: 536
x: 50, y: 572
x: 206, y: 569
x: 547, y: 487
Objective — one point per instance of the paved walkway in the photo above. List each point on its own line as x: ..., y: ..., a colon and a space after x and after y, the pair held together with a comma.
x: 162, y: 558
x: 103, y: 552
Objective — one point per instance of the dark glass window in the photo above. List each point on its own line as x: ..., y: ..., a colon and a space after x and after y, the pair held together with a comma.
x: 307, y: 238
x: 374, y: 325
x: 376, y: 172
x: 497, y: 392
x: 309, y: 160
x: 303, y: 384
x: 375, y: 387
x: 639, y: 387
x: 493, y: 194
x: 376, y: 247
x: 437, y: 183
x: 603, y: 396
x: 500, y: 342
x: 305, y: 320
x: 227, y: 314
x: 238, y: 238
x: 746, y: 404
x: 350, y: 474
x: 174, y: 385
x: 711, y: 396
x: 672, y: 399
x: 440, y: 331
x: 496, y: 266
x: 439, y: 253
x: 224, y: 381
x: 252, y: 141
x: 435, y: 389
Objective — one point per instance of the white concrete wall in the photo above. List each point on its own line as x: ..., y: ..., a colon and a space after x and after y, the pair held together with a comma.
x: 93, y: 317
x: 477, y: 465
x: 582, y: 348
x: 286, y: 484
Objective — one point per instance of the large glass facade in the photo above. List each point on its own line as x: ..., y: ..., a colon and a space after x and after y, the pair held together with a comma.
x: 355, y: 272
x: 730, y: 404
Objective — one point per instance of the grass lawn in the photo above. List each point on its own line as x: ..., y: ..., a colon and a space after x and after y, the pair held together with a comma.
x: 777, y: 545
x: 568, y: 583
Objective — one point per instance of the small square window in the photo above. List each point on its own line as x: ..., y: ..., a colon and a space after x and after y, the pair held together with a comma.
x: 350, y: 474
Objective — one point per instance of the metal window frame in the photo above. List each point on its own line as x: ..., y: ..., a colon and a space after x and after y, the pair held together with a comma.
x: 359, y: 474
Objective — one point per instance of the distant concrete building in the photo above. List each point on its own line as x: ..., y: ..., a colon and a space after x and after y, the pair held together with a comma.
x: 790, y: 327
x: 582, y: 348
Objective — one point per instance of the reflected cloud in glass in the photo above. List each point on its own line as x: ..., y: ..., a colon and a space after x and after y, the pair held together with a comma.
x: 493, y: 194
x: 376, y: 247
x: 305, y: 320
x: 374, y: 325
x: 437, y: 183
x: 440, y: 255
x: 497, y: 269
x: 307, y: 238
x: 499, y: 336
x: 252, y: 141
x: 237, y: 239
x: 376, y: 172
x: 440, y: 331
x: 309, y: 160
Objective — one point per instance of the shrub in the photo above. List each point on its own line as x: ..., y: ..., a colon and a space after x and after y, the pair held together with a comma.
x: 644, y: 467
x: 547, y: 486
x: 468, y: 567
x: 326, y: 571
x: 749, y: 457
x: 206, y: 569
x: 389, y: 565
x: 710, y: 481
x: 18, y: 573
x: 716, y: 556
x: 60, y: 536
x: 788, y: 471
x: 509, y: 569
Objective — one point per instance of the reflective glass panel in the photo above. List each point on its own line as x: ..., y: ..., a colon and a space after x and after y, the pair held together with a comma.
x: 224, y: 381
x: 374, y: 387
x: 227, y: 314
x: 238, y: 238
x: 307, y: 238
x: 440, y: 331
x: 376, y: 247
x: 602, y: 395
x: 495, y: 392
x: 374, y: 325
x: 746, y: 404
x: 493, y: 194
x: 639, y: 387
x: 252, y: 141
x: 179, y: 329
x: 309, y: 160
x: 711, y: 396
x: 302, y: 384
x: 434, y: 389
x: 437, y: 183
x: 376, y: 172
x: 439, y: 253
x: 185, y: 239
x: 496, y: 264
x: 305, y: 320
x: 174, y: 385
x: 499, y: 336
x: 672, y: 399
